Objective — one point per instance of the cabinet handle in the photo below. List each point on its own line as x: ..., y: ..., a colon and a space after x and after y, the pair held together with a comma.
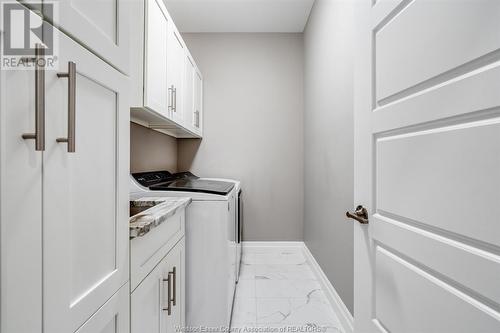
x: 175, y: 99
x: 71, y: 75
x: 39, y: 135
x: 174, y: 293
x: 170, y: 97
x: 168, y: 308
x: 197, y: 124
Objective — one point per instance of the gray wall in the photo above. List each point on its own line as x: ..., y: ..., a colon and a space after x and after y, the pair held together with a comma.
x: 253, y: 100
x: 151, y: 151
x: 328, y: 134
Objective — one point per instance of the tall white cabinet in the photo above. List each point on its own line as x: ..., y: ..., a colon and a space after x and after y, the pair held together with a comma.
x: 64, y: 207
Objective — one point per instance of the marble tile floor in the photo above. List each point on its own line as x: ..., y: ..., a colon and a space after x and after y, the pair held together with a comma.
x: 278, y: 292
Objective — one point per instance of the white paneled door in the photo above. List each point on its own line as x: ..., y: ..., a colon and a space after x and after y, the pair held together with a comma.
x: 85, y: 193
x: 427, y: 166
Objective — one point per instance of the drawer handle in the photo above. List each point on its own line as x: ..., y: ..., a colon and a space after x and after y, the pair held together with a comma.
x: 168, y: 308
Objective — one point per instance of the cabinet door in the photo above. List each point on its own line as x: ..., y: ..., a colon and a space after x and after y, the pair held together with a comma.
x: 156, y: 91
x: 188, y: 107
x: 198, y: 103
x: 21, y: 205
x: 175, y: 73
x: 112, y: 317
x: 151, y: 299
x: 147, y: 302
x: 85, y: 193
x: 175, y: 265
x: 101, y: 25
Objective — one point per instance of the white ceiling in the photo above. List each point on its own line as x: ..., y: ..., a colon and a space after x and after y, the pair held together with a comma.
x: 240, y: 15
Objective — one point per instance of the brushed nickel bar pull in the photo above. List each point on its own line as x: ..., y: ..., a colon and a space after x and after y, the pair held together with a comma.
x: 174, y: 293
x: 170, y: 98
x: 71, y: 75
x: 175, y: 99
x: 360, y: 215
x: 39, y: 135
x: 168, y: 308
x: 197, y: 118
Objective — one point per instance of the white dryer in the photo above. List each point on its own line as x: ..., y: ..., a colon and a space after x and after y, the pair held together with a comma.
x: 213, y: 237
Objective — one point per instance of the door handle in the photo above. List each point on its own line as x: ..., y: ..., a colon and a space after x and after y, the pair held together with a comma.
x: 168, y: 308
x: 71, y: 75
x: 39, y: 135
x: 173, y: 275
x: 360, y: 215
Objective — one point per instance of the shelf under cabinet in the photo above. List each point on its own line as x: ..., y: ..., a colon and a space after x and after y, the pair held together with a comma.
x: 158, y: 122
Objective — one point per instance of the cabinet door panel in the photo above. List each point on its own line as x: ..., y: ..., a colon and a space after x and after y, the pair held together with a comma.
x: 188, y: 106
x: 198, y: 102
x: 85, y: 236
x: 155, y: 67
x: 175, y: 72
x: 20, y: 205
x: 101, y: 25
x: 175, y: 261
x: 148, y: 301
x: 150, y: 298
x: 112, y: 317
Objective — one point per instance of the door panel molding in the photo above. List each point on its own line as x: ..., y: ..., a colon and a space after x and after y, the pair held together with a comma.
x: 433, y: 48
x: 453, y: 99
x: 431, y: 252
x: 422, y: 287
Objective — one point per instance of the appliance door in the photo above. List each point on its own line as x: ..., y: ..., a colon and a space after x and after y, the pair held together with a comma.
x: 239, y: 233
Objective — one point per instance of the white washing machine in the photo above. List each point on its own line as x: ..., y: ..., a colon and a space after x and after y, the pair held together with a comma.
x: 213, y: 240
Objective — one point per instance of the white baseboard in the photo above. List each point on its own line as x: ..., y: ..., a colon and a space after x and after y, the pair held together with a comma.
x: 345, y: 317
x: 273, y: 244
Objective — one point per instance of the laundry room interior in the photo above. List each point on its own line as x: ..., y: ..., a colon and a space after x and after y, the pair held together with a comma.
x: 249, y: 166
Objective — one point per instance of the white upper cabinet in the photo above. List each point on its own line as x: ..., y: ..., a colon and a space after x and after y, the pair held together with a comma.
x: 101, y: 25
x: 161, y: 80
x: 156, y: 93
